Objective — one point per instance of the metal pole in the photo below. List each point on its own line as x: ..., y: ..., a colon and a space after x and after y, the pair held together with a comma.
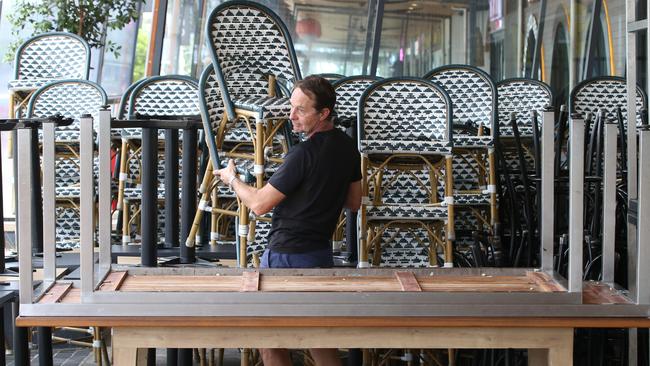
x: 44, y: 336
x: 25, y: 197
x: 171, y: 188
x: 576, y: 202
x: 379, y: 18
x: 149, y: 205
x: 188, y: 200
x: 49, y: 202
x: 104, y: 188
x: 547, y: 190
x: 643, y: 247
x: 87, y: 206
x: 37, y: 199
x: 609, y: 201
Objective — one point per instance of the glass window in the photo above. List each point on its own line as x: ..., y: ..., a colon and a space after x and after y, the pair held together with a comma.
x: 117, y: 71
x: 142, y: 42
x: 416, y: 37
x: 182, y: 31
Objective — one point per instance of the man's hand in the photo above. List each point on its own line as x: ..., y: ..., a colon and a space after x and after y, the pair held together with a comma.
x: 226, y: 174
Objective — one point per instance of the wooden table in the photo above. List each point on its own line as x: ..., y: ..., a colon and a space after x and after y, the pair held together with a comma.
x: 548, y: 340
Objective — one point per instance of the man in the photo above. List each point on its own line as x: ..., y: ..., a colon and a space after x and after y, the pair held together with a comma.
x: 318, y: 178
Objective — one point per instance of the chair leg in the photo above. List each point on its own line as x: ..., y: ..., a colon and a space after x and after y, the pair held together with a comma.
x: 205, y: 184
x: 126, y: 223
x: 214, y: 219
x: 123, y: 174
x: 243, y: 234
x: 449, y: 193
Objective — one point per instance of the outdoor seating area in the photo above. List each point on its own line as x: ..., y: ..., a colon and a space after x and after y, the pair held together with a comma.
x: 496, y: 212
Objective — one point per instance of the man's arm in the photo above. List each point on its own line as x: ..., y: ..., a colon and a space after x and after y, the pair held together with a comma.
x: 260, y: 201
x: 353, y: 199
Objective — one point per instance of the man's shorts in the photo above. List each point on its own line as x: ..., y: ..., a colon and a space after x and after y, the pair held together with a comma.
x: 315, y: 259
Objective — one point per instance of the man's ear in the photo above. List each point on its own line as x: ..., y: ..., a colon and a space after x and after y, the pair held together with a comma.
x: 325, y: 113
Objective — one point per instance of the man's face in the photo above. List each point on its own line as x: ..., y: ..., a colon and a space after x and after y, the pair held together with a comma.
x: 304, y: 115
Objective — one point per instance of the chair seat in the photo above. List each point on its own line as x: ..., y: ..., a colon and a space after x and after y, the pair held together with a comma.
x: 472, y: 142
x: 28, y: 84
x: 471, y: 199
x: 265, y: 107
x: 400, y: 258
x: 405, y: 147
x: 430, y: 212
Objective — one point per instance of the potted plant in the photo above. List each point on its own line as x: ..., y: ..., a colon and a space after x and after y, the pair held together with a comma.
x: 89, y: 19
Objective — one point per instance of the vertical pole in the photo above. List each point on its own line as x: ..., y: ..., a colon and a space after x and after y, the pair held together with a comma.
x: 171, y: 188
x: 548, y: 200
x: 86, y: 206
x: 44, y: 337
x: 609, y: 201
x: 149, y: 205
x: 643, y: 247
x: 576, y: 202
x: 573, y: 43
x: 37, y: 200
x: 104, y: 188
x: 49, y: 210
x: 25, y: 197
x: 188, y: 200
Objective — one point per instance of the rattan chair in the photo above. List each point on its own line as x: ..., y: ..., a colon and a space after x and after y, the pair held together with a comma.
x: 168, y: 96
x: 69, y: 98
x: 405, y: 139
x: 255, y: 64
x: 46, y: 58
x: 474, y: 99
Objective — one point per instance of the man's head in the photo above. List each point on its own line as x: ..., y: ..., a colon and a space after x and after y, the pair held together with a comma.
x: 312, y: 104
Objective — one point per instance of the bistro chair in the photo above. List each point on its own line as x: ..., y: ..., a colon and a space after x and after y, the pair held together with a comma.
x: 474, y: 99
x: 255, y: 66
x: 404, y: 130
x: 45, y: 58
x: 158, y: 97
x: 69, y: 98
x: 521, y: 103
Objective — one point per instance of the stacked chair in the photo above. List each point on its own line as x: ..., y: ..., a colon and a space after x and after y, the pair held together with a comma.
x: 521, y: 103
x: 43, y: 59
x: 348, y: 92
x: 473, y: 95
x: 158, y: 97
x: 255, y: 66
x: 598, y: 101
x: 69, y: 98
x: 405, y: 139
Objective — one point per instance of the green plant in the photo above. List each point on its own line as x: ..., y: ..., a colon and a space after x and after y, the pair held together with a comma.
x: 90, y: 19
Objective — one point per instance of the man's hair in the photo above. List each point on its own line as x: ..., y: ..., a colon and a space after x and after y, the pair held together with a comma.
x: 320, y: 90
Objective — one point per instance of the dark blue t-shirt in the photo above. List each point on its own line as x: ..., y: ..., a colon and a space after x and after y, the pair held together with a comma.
x: 315, y: 178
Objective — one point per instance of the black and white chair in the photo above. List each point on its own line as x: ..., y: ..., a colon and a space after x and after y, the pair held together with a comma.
x: 43, y: 59
x: 255, y: 66
x: 521, y: 103
x: 69, y: 98
x: 474, y: 99
x: 405, y: 139
x: 158, y: 97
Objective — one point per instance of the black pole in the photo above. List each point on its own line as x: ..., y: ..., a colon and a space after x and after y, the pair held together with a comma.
x: 2, y: 244
x: 21, y: 346
x: 171, y: 188
x: 184, y: 357
x: 376, y: 42
x: 37, y: 198
x: 188, y: 200
x: 44, y: 337
x: 172, y: 356
x: 149, y: 208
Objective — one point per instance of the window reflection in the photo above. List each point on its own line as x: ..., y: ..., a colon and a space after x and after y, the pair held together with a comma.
x: 180, y: 44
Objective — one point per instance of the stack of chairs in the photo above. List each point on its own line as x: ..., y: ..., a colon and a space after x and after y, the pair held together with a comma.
x: 598, y: 101
x: 69, y: 98
x: 473, y: 95
x: 405, y: 139
x: 521, y: 103
x: 43, y: 59
x: 348, y: 92
x: 255, y: 66
x: 158, y: 97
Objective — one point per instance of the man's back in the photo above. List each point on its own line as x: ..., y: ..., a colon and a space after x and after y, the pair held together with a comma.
x: 315, y: 179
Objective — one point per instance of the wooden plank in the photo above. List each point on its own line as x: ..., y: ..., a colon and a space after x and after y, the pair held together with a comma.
x: 545, y: 282
x: 408, y: 281
x: 597, y: 293
x: 250, y: 281
x: 332, y: 321
x: 113, y: 281
x: 55, y: 293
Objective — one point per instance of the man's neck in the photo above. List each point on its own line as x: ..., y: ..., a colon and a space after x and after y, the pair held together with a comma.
x: 320, y: 127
